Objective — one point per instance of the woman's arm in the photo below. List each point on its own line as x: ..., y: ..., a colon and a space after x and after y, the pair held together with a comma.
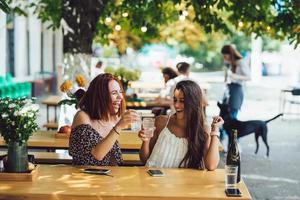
x: 148, y: 143
x: 211, y: 152
x: 103, y: 147
x: 245, y: 74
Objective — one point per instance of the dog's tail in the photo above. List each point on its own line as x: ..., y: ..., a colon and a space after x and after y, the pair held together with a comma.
x: 267, y: 121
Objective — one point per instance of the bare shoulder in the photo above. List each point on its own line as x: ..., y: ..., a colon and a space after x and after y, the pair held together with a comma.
x: 81, y: 117
x: 160, y: 122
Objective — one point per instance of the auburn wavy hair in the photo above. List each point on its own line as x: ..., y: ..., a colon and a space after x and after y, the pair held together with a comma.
x: 194, y: 117
x: 96, y: 101
x: 234, y: 55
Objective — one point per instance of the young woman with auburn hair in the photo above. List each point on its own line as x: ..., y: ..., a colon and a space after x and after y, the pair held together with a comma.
x: 97, y: 126
x: 183, y: 139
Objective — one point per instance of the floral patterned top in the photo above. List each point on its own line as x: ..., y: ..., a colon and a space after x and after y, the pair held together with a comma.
x: 83, y: 139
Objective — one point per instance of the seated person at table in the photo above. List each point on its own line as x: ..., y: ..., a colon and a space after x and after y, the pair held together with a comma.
x: 169, y: 74
x: 96, y: 127
x: 183, y: 139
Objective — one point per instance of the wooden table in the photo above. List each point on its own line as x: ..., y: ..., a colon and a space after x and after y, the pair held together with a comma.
x: 46, y: 140
x: 67, y: 182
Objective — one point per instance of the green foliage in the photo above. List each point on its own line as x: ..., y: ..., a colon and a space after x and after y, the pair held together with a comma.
x: 4, y: 6
x: 124, y: 74
x: 277, y: 19
x: 48, y: 11
x: 18, y: 119
x: 208, y: 52
x: 269, y: 44
x: 71, y: 101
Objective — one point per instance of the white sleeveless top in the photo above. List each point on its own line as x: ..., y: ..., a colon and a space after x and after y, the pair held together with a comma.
x: 168, y: 151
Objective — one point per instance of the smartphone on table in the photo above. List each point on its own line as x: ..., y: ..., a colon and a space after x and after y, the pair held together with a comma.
x: 96, y: 171
x: 155, y: 172
x: 233, y: 192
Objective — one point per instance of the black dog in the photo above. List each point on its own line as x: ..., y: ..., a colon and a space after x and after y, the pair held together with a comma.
x: 244, y: 128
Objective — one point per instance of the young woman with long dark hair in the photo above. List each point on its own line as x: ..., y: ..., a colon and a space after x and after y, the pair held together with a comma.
x: 183, y: 139
x: 97, y: 126
x: 236, y: 75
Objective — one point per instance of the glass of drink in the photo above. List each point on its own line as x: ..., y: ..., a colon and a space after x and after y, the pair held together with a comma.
x: 231, y: 176
x: 148, y: 125
x: 135, y: 125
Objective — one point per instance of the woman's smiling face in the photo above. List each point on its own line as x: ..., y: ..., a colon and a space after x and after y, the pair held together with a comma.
x: 178, y: 100
x: 116, y: 95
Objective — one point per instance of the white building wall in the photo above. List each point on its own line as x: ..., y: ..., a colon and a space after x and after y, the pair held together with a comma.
x: 47, y: 48
x: 34, y: 27
x: 256, y: 60
x: 2, y: 43
x: 20, y: 41
x: 58, y: 48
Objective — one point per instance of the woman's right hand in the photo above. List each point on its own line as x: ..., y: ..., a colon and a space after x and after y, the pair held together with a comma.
x: 144, y: 137
x: 127, y: 118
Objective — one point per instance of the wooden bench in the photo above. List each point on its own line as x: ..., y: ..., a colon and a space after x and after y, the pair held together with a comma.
x: 51, y: 125
x: 60, y: 158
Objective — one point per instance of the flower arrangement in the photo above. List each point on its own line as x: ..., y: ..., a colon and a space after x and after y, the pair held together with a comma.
x: 75, y: 93
x: 18, y: 119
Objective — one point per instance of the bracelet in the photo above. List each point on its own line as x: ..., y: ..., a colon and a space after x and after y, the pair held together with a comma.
x: 215, y: 135
x: 114, y: 128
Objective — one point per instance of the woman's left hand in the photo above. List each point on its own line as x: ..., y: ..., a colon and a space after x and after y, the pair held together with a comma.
x: 216, y: 123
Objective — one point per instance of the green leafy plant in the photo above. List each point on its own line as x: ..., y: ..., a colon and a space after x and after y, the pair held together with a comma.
x: 18, y: 119
x: 125, y: 75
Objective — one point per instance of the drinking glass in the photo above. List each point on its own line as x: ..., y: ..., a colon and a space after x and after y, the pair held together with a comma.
x: 135, y: 125
x: 148, y: 125
x: 231, y: 176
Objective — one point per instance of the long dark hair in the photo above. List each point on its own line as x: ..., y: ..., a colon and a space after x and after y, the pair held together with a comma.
x: 194, y: 117
x: 234, y: 55
x: 170, y: 72
x: 96, y: 101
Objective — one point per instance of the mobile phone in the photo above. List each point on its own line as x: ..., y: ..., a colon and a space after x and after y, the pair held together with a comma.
x: 155, y: 172
x: 233, y: 192
x: 96, y: 171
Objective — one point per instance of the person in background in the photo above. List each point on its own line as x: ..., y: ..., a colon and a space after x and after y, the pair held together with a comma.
x: 97, y: 126
x: 169, y: 75
x: 98, y: 69
x: 184, y: 74
x: 237, y: 74
x: 183, y: 139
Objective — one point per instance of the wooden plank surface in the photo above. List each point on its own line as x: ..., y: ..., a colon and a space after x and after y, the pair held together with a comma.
x: 67, y: 182
x: 62, y: 158
x: 46, y: 139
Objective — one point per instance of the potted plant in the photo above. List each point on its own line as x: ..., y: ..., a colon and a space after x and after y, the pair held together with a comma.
x: 125, y: 75
x: 17, y: 123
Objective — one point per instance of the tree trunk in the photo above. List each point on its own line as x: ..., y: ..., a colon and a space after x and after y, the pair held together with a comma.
x: 79, y: 38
